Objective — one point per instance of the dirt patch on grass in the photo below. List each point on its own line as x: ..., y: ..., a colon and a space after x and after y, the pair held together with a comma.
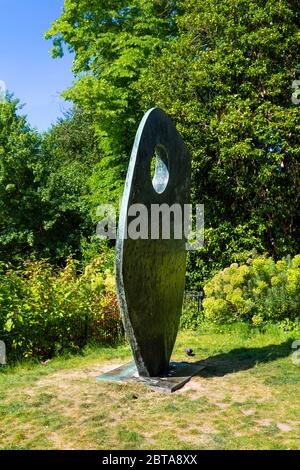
x: 229, y: 405
x: 248, y: 412
x: 207, y: 429
x: 265, y: 422
x: 74, y: 394
x: 221, y: 391
x: 79, y: 373
x: 59, y: 443
x: 284, y: 427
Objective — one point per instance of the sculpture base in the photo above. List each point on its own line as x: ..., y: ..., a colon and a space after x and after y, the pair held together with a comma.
x: 179, y: 374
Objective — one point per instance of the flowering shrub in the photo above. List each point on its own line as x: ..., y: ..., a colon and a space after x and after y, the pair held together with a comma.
x: 261, y: 290
x: 44, y: 311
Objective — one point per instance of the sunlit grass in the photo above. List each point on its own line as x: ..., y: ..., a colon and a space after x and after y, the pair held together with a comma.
x: 247, y: 397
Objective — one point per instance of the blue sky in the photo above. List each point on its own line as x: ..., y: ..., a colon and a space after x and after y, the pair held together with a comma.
x: 26, y: 66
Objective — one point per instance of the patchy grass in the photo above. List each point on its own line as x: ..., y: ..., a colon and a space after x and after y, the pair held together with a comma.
x: 247, y: 397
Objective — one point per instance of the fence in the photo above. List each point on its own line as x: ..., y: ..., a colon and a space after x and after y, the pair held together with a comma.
x: 193, y: 298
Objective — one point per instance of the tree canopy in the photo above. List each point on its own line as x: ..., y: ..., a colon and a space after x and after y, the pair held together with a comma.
x: 113, y: 42
x: 222, y: 69
x: 19, y: 202
x: 232, y: 66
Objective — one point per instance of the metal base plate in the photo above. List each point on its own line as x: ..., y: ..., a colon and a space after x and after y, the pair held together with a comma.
x: 179, y: 374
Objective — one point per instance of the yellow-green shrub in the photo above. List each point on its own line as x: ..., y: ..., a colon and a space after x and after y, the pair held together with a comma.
x: 262, y: 290
x: 44, y: 310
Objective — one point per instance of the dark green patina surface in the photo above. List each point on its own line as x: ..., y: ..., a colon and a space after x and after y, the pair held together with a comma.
x: 151, y: 273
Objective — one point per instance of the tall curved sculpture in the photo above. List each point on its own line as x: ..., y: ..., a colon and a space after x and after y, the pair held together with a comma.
x: 151, y: 270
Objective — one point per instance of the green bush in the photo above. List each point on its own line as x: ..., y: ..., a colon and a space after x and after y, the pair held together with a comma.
x: 191, y: 316
x: 260, y: 290
x: 44, y: 311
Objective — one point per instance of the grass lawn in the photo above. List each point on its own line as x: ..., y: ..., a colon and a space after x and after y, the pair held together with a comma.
x: 247, y: 397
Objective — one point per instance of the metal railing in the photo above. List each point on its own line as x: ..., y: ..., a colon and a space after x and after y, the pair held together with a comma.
x: 194, y: 296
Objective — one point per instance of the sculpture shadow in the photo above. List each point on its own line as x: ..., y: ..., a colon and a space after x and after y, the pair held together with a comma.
x: 242, y: 359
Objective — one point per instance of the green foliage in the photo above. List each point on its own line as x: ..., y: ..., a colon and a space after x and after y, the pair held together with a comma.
x: 46, y: 311
x: 44, y: 191
x: 68, y: 153
x: 226, y: 81
x: 113, y: 43
x: 19, y: 202
x: 192, y: 315
x: 223, y: 245
x: 259, y: 291
x: 222, y: 69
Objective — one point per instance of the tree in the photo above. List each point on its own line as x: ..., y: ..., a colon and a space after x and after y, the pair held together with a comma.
x: 44, y: 191
x: 112, y: 42
x: 20, y: 221
x: 226, y: 80
x: 68, y: 153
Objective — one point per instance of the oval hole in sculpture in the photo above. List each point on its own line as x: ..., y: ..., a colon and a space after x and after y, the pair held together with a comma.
x: 160, y: 169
